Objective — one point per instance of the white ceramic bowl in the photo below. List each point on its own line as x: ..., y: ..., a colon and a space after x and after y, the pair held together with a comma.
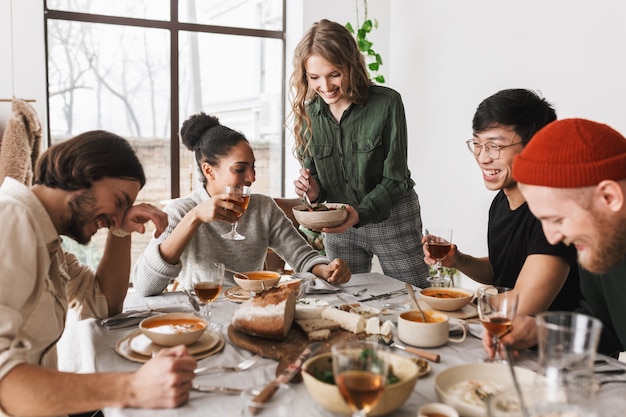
x: 328, y: 396
x: 173, y: 329
x: 487, y: 374
x: 447, y: 299
x: 316, y: 220
x: 258, y: 281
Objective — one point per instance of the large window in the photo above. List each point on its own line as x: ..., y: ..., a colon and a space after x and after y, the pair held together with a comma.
x: 139, y: 68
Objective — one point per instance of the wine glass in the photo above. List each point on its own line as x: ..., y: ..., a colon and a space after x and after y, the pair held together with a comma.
x: 360, y: 369
x: 439, y: 241
x: 208, y: 284
x: 497, y: 307
x: 243, y: 191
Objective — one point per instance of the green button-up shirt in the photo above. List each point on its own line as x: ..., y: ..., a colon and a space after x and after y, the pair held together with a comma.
x: 362, y: 160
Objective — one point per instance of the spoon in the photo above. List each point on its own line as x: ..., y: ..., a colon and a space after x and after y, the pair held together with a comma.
x: 235, y: 272
x: 307, y: 202
x: 409, y: 289
x: 518, y: 390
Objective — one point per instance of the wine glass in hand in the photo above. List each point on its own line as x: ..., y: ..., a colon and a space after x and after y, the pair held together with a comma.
x: 497, y: 307
x: 207, y: 285
x: 242, y: 191
x: 439, y: 241
x: 360, y: 369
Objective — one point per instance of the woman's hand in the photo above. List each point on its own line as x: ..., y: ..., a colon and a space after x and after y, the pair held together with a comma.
x: 336, y: 272
x: 218, y: 207
x: 351, y: 220
x: 306, y: 184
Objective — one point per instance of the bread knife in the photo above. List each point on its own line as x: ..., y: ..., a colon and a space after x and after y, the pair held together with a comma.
x: 292, y: 370
x: 384, y: 295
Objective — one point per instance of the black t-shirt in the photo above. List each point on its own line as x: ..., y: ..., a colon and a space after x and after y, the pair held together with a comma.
x: 514, y: 235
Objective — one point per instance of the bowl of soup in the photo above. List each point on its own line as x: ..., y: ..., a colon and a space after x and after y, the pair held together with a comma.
x: 447, y: 299
x: 257, y: 281
x: 173, y: 329
x: 322, y: 215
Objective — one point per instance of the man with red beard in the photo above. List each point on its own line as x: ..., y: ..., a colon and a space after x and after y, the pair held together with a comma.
x: 80, y: 185
x: 573, y: 176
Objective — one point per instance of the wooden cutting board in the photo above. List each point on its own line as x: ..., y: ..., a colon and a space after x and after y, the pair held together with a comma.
x: 286, y: 351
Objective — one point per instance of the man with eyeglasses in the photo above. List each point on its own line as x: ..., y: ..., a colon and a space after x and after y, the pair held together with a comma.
x: 519, y: 256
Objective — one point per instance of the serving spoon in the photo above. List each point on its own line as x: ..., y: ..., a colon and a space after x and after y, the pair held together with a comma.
x: 241, y: 274
x: 411, y: 291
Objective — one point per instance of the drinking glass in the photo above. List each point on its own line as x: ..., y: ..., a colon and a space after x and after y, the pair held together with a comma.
x: 439, y: 241
x: 243, y: 191
x: 497, y: 307
x: 360, y: 369
x: 208, y: 284
x: 567, y: 344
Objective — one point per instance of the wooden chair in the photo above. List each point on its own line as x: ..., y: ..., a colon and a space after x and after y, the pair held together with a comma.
x: 273, y: 262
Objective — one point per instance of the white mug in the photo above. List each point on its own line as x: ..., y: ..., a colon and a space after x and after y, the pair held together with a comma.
x: 435, y: 332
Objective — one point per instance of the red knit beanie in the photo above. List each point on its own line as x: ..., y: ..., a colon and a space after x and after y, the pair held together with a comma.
x: 572, y: 153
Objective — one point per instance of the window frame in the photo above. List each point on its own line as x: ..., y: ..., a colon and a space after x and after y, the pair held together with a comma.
x: 174, y: 26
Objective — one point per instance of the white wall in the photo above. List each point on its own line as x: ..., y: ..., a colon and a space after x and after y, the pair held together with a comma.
x: 444, y: 57
x: 25, y: 76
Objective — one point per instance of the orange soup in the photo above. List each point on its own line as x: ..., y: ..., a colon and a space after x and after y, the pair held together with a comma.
x: 443, y: 294
x: 174, y: 326
x: 415, y: 315
x: 261, y: 275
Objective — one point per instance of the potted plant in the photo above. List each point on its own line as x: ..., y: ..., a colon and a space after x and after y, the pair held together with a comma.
x: 373, y: 59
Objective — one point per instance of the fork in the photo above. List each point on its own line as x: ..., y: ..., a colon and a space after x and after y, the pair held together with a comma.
x: 242, y: 366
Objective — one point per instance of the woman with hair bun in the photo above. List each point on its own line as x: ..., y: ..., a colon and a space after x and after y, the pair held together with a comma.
x: 193, y: 239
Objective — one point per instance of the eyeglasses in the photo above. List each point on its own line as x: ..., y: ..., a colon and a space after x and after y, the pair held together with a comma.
x: 492, y: 149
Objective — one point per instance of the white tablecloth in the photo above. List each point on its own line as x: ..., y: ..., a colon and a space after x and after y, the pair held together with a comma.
x: 98, y: 354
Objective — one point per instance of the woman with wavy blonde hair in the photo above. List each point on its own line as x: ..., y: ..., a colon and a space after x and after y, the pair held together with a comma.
x: 351, y: 139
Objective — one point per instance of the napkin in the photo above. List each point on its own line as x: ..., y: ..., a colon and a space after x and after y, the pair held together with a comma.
x: 319, y: 286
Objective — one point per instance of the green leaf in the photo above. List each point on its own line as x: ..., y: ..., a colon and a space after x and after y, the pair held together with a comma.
x: 380, y: 79
x: 367, y: 26
x: 379, y: 60
x: 373, y: 66
x: 350, y: 28
x: 364, y: 45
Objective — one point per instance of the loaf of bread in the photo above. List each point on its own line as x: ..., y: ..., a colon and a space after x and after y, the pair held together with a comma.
x: 268, y: 315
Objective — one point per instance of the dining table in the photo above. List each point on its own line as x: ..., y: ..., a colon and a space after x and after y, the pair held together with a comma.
x: 99, y: 350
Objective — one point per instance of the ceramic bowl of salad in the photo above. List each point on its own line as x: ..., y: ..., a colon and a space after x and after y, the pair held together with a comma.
x: 317, y: 374
x: 322, y: 215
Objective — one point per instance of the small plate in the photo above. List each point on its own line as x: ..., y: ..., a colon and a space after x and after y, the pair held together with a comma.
x: 142, y: 345
x: 122, y: 348
x: 237, y: 294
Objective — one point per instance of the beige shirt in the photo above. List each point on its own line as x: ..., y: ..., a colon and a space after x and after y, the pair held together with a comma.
x: 38, y: 282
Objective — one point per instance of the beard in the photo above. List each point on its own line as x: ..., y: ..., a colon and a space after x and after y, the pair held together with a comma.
x: 609, y: 250
x: 82, y: 209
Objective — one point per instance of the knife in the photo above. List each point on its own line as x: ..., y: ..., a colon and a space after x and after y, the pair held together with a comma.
x: 292, y: 370
x: 384, y: 295
x: 216, y: 389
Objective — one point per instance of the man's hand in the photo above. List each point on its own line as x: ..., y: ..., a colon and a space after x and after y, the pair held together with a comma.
x: 164, y: 381
x: 139, y: 214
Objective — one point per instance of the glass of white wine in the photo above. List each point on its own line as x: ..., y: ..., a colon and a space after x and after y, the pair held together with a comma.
x: 360, y: 369
x: 242, y: 191
x: 439, y: 242
x: 208, y: 284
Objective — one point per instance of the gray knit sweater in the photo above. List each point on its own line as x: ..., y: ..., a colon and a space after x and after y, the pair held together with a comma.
x: 264, y: 225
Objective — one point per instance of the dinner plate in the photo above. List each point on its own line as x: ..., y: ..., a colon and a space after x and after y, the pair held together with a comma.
x: 122, y: 347
x: 141, y: 344
x: 237, y: 294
